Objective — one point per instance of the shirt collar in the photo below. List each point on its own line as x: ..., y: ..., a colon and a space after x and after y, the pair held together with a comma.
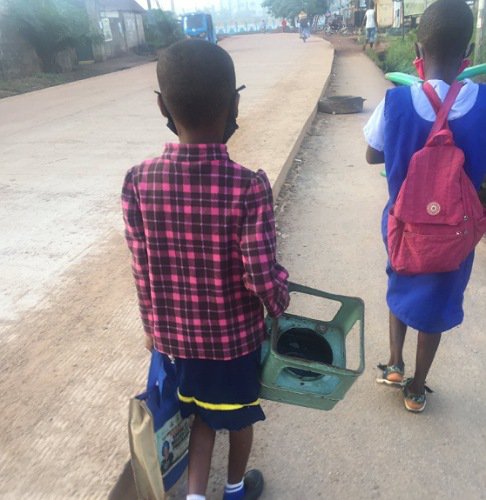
x: 195, y: 152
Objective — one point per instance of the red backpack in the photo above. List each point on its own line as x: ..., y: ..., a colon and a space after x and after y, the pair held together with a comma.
x: 437, y: 218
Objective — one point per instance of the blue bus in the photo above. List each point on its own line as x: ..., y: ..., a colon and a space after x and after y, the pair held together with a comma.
x: 199, y: 25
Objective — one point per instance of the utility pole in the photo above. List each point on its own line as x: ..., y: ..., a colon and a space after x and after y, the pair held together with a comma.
x: 149, y: 4
x: 479, y: 32
x: 403, y: 19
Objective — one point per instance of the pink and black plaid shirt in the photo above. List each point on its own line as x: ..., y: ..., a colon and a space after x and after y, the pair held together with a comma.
x: 201, y: 231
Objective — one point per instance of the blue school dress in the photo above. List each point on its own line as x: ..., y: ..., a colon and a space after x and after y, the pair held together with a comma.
x: 431, y: 303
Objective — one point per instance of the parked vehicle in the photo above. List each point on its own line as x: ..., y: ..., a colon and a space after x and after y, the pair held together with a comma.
x: 199, y: 25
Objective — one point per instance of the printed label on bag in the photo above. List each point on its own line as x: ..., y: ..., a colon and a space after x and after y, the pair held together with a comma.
x: 173, y: 442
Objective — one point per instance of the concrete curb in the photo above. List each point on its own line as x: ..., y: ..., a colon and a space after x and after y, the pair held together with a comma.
x: 279, y: 181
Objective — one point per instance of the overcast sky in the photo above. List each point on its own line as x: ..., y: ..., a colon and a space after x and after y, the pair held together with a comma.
x: 181, y: 5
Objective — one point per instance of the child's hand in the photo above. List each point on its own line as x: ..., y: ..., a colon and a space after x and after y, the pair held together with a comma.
x: 149, y: 342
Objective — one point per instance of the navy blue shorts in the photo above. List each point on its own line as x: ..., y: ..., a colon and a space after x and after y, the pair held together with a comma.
x: 225, y: 394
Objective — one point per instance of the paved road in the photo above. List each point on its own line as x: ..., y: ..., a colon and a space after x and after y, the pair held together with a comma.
x: 64, y: 151
x: 70, y: 336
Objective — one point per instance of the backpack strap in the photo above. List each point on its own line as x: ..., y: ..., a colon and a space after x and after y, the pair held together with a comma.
x: 442, y: 109
x: 431, y: 94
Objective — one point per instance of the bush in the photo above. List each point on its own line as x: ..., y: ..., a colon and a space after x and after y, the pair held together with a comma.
x: 49, y: 26
x: 480, y: 57
x: 400, y: 55
x: 161, y: 28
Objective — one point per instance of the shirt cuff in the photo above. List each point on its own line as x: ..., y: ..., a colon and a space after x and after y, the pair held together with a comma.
x: 373, y: 142
x: 374, y: 130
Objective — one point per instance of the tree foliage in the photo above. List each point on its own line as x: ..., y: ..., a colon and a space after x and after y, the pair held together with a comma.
x: 161, y: 28
x: 289, y: 9
x: 49, y: 26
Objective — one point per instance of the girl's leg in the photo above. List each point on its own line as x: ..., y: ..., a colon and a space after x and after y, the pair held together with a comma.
x: 200, y: 452
x: 239, y: 452
x: 427, y: 344
x: 398, y: 330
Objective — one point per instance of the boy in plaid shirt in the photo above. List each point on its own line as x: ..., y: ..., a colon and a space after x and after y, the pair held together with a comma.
x: 201, y: 232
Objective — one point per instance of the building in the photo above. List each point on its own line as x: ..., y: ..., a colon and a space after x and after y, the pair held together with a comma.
x: 120, y: 23
x: 17, y: 57
x: 241, y: 16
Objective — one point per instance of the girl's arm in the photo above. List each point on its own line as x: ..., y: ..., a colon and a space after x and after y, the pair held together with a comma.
x: 374, y: 157
x: 482, y: 193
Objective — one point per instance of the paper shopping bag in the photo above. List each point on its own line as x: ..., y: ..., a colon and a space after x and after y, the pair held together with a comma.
x: 159, y: 436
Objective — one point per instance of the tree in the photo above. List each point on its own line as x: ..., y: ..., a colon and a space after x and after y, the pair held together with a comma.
x: 290, y: 9
x: 161, y: 28
x: 49, y: 26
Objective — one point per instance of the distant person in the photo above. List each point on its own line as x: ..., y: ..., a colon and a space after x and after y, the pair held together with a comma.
x: 370, y: 23
x: 400, y: 125
x: 397, y: 14
x: 263, y: 26
x: 201, y: 231
x: 303, y: 25
x: 284, y: 25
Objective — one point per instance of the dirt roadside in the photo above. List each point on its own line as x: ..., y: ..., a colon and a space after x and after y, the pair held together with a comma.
x: 40, y: 81
x: 369, y: 446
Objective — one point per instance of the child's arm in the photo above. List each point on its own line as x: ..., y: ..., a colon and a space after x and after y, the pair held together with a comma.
x: 373, y: 156
x: 264, y: 276
x: 482, y: 193
x: 135, y: 237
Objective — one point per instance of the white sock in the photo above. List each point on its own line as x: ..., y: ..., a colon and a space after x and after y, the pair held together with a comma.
x: 195, y: 497
x: 232, y: 488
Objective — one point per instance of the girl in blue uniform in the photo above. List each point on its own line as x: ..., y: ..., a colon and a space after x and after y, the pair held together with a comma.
x: 400, y: 125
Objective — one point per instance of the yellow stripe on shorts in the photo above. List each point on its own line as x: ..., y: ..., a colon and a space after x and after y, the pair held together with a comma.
x: 215, y: 406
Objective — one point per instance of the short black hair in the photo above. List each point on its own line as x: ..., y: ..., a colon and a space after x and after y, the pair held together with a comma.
x: 445, y: 29
x: 197, y: 82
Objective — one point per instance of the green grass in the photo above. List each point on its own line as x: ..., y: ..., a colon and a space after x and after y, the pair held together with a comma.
x: 399, y: 55
x: 35, y: 82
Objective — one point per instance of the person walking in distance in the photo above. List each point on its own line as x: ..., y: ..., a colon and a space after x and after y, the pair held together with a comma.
x: 370, y: 23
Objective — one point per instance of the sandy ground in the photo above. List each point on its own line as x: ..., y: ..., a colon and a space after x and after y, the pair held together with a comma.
x: 71, y: 340
x: 40, y: 81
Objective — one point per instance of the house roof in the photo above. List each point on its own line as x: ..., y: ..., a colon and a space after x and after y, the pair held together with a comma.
x: 121, y: 5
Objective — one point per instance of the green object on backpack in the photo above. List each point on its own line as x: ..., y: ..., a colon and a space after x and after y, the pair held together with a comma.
x: 406, y: 79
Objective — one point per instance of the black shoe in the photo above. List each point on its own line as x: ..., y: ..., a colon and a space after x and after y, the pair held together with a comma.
x: 253, y: 482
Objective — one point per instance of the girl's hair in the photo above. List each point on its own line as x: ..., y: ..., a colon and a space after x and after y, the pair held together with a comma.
x: 445, y: 29
x: 197, y: 81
